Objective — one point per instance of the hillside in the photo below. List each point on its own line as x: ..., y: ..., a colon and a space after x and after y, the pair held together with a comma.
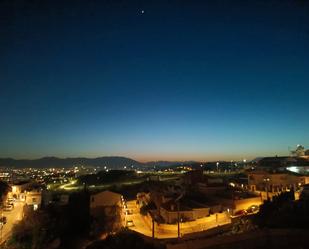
x: 113, y: 162
x: 49, y: 162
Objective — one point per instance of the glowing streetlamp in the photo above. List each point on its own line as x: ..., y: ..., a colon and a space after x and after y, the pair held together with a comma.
x: 266, y: 180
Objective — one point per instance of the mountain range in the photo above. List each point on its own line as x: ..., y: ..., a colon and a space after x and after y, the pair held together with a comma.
x: 112, y: 162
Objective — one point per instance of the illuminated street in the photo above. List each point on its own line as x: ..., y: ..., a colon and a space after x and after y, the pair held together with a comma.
x: 12, y: 218
x: 162, y: 231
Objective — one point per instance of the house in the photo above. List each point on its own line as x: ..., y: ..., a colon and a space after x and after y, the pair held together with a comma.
x: 107, y: 209
x: 106, y: 199
x: 106, y: 202
x: 33, y: 198
x: 236, y: 202
x: 54, y: 198
x: 275, y: 182
x: 18, y: 190
x: 186, y: 211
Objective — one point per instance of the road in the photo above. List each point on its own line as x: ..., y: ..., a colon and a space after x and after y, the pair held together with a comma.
x: 13, y: 217
x: 140, y: 224
x: 143, y: 225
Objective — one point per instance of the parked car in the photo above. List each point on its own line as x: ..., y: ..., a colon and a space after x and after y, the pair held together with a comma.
x: 3, y: 220
x: 240, y: 213
x: 130, y: 223
x: 10, y: 203
x: 253, y: 209
x: 8, y: 208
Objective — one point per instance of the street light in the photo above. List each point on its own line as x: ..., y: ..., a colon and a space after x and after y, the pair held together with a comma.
x: 1, y: 226
x: 217, y: 166
x: 266, y: 180
x: 178, y: 214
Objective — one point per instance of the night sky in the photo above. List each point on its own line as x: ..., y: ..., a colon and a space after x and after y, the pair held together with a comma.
x: 176, y: 80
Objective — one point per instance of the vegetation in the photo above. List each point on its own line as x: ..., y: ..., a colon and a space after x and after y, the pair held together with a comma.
x: 106, y: 224
x: 124, y: 239
x: 150, y: 206
x: 60, y: 227
x: 37, y: 230
x: 284, y: 212
x: 107, y: 177
x: 243, y: 225
x: 130, y: 190
x: 4, y: 189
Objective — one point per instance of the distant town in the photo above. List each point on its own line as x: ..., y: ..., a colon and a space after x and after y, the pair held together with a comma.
x: 169, y: 204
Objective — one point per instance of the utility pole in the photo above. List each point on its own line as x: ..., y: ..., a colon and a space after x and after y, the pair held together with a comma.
x: 1, y: 225
x: 153, y: 228
x: 266, y: 180
x: 178, y: 214
x: 178, y: 220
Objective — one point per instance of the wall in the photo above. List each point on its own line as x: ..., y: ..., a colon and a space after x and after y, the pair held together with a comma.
x: 276, y: 182
x: 34, y: 198
x: 200, y: 212
x: 100, y: 200
x: 172, y: 216
x: 277, y: 238
x: 190, y: 226
x: 246, y: 203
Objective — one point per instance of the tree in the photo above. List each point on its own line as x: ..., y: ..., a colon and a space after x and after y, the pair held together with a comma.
x: 36, y: 231
x: 61, y: 226
x: 300, y: 151
x: 4, y: 189
x: 124, y: 239
x: 284, y: 212
x: 243, y: 225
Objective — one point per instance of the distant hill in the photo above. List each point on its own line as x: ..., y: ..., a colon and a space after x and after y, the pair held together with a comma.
x: 257, y: 159
x: 50, y: 162
x: 113, y: 162
x: 168, y: 163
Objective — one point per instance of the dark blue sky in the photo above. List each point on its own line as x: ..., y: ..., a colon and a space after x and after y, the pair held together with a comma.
x: 202, y: 80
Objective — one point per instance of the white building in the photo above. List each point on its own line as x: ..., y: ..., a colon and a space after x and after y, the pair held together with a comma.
x: 33, y: 198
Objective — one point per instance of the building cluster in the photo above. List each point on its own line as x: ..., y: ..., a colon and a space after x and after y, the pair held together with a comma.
x: 28, y: 187
x: 274, y: 175
x: 188, y: 197
x: 276, y: 182
x: 195, y: 196
x: 25, y: 192
x: 44, y: 176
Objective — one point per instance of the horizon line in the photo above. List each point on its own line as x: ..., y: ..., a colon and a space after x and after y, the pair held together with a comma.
x: 142, y: 160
